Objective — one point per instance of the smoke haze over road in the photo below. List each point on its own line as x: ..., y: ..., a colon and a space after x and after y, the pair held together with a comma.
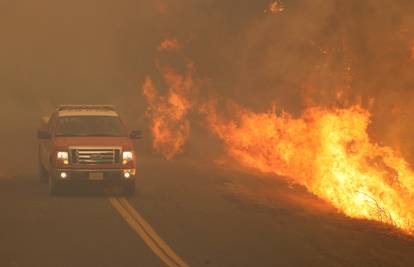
x: 89, y: 51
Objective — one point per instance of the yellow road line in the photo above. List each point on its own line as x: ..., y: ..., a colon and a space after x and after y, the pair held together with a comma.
x: 154, y: 235
x: 141, y: 232
x: 147, y: 233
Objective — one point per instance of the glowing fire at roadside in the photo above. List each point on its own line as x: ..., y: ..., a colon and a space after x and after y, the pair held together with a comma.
x: 327, y: 151
x: 169, y: 125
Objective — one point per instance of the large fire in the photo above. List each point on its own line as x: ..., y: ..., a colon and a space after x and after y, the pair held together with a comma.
x: 327, y: 151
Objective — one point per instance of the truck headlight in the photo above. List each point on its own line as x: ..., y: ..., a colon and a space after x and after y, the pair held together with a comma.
x: 63, y: 156
x: 127, y: 156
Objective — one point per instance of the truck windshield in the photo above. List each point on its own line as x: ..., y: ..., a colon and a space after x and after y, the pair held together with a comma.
x: 90, y: 126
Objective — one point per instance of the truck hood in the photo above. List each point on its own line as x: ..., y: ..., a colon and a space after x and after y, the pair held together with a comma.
x: 66, y: 142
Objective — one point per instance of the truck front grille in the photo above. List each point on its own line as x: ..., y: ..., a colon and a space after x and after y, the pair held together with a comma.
x: 95, y: 155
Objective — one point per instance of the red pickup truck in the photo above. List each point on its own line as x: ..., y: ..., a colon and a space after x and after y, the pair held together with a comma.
x: 86, y: 144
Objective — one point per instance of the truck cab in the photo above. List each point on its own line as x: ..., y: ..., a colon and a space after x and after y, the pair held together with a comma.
x: 86, y: 144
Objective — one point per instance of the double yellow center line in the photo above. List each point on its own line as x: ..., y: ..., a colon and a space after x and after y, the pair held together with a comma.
x: 148, y: 235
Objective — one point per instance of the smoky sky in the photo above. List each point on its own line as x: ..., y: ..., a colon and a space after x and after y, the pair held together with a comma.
x: 91, y: 51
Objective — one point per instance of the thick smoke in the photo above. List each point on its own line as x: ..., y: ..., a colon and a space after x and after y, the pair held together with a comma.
x: 313, y: 53
x: 92, y: 51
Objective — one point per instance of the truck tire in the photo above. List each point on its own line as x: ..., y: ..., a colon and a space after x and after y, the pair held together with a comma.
x: 129, y: 189
x: 55, y: 189
x: 42, y: 173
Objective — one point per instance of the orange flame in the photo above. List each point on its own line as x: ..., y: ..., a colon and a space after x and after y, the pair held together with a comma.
x: 275, y: 7
x: 412, y: 50
x: 162, y: 7
x: 169, y: 45
x: 169, y: 125
x: 327, y: 151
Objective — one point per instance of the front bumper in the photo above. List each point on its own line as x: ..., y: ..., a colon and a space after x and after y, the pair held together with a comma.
x: 107, y: 176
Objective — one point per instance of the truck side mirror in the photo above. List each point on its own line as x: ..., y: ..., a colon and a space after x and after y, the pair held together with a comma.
x: 43, y: 135
x: 135, y: 135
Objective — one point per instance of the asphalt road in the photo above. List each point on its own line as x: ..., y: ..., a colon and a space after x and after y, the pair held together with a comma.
x: 207, y: 216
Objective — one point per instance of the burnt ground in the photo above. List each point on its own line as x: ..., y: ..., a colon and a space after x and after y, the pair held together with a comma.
x: 210, y: 216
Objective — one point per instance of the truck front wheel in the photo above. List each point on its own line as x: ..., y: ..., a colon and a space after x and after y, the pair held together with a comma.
x: 55, y: 188
x: 43, y: 174
x: 129, y: 189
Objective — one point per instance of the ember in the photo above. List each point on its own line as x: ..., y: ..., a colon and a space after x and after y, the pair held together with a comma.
x: 169, y: 45
x: 275, y: 7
